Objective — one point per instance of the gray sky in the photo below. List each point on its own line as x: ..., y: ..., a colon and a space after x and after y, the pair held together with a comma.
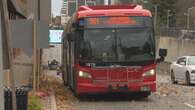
x: 56, y: 7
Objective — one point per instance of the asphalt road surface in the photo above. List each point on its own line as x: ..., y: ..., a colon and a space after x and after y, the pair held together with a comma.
x: 167, y: 97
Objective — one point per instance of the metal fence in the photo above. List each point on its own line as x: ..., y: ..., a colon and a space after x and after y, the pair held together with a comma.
x: 181, y: 33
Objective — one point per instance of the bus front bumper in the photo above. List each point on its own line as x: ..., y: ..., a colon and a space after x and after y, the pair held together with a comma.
x: 90, y: 88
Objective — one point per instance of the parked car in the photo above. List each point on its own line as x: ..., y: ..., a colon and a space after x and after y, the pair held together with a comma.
x: 183, y: 70
x: 53, y: 65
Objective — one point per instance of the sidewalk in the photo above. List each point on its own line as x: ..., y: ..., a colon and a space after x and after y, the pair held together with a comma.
x: 60, y: 98
x: 49, y: 101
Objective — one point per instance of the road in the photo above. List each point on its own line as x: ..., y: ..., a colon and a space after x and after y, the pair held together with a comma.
x: 167, y: 97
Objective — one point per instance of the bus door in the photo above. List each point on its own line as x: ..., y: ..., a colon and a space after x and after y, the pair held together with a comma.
x: 71, y: 67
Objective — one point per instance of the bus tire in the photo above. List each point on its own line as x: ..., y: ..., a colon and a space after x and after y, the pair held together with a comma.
x: 74, y: 89
x: 145, y: 94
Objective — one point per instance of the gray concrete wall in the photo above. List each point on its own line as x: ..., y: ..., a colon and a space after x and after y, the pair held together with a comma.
x: 22, y: 68
x: 177, y: 47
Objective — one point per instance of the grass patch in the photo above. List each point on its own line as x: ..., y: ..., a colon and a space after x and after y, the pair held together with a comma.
x: 34, y: 103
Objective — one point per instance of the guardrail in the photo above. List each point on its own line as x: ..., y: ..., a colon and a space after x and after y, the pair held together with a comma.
x: 181, y: 33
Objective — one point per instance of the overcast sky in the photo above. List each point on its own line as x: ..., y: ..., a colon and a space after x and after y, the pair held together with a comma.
x: 56, y: 7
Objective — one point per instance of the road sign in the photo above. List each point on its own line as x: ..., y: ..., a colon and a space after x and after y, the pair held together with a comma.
x: 22, y: 31
x: 40, y: 9
x: 55, y: 36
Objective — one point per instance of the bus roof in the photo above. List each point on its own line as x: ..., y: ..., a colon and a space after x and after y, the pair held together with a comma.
x: 112, y: 10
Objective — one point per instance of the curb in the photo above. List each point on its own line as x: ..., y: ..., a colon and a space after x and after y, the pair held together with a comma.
x: 53, y: 102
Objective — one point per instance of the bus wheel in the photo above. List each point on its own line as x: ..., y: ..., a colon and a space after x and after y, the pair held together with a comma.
x: 74, y: 89
x: 145, y: 94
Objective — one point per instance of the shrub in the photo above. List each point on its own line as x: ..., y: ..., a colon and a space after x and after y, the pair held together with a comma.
x: 34, y: 103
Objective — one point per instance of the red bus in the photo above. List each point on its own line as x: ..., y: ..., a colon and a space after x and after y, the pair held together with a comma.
x: 110, y: 49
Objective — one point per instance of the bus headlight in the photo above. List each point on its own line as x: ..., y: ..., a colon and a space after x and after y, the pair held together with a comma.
x: 84, y: 75
x: 149, y: 73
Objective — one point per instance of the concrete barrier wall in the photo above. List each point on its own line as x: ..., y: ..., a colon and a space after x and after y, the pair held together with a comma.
x: 176, y: 47
x: 22, y: 68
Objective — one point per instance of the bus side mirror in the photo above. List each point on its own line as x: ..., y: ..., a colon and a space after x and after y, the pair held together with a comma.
x: 70, y: 36
x: 162, y: 54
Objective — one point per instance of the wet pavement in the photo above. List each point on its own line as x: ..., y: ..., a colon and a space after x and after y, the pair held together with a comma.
x: 167, y: 97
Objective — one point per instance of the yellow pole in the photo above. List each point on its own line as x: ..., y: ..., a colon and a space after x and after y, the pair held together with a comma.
x: 34, y: 56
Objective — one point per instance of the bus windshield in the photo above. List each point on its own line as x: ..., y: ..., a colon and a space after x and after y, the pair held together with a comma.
x: 116, y: 39
x: 117, y: 45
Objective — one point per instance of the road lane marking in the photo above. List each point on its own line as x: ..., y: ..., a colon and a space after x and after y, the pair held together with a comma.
x: 189, y: 105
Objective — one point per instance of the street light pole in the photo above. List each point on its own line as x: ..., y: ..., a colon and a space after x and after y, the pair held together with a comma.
x: 168, y: 15
x: 155, y: 15
x: 188, y: 16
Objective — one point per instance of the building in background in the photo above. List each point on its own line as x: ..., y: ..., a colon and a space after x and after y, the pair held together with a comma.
x: 56, y: 21
x: 64, y: 12
x: 119, y: 2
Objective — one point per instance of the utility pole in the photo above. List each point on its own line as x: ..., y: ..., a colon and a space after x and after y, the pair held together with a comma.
x: 1, y: 67
x: 4, y: 8
x: 39, y: 51
x: 34, y: 56
x: 40, y: 12
x: 188, y: 19
x: 36, y: 13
